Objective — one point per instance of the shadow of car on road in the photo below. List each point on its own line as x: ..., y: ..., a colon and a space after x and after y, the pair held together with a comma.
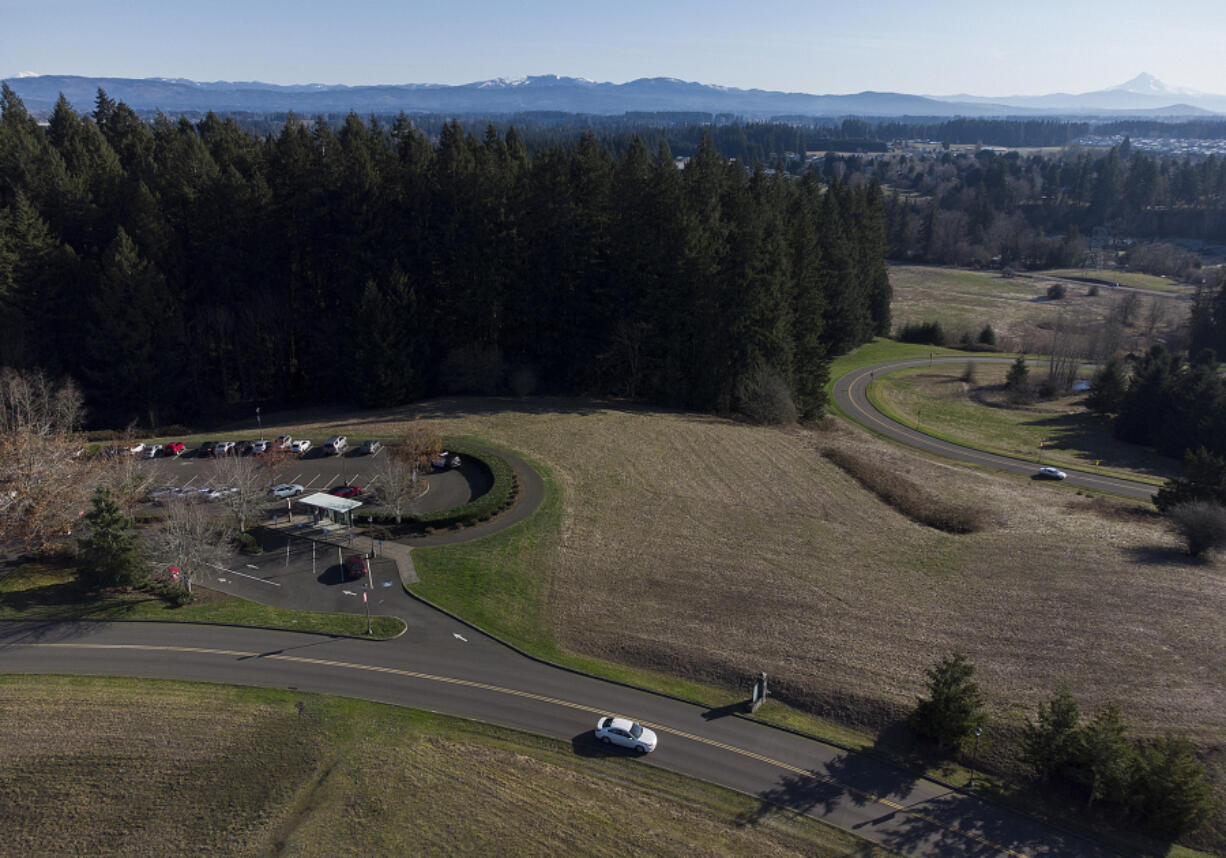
x: 587, y: 745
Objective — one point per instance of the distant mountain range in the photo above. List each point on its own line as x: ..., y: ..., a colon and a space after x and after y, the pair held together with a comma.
x: 1144, y: 95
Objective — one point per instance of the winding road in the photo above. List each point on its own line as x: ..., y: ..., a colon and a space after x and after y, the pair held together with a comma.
x: 443, y: 665
x: 851, y: 396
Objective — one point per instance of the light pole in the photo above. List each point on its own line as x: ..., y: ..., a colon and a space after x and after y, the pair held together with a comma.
x: 974, y: 754
x: 259, y: 423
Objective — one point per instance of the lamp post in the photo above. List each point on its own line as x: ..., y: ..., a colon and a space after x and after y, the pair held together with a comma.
x: 259, y: 423
x: 974, y: 755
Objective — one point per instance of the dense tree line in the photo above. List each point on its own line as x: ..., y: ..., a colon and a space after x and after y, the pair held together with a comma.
x: 184, y: 266
x: 1035, y: 211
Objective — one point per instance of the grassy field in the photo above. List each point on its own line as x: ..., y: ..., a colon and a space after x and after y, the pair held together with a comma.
x: 707, y: 550
x: 135, y: 768
x: 979, y: 414
x: 1124, y: 278
x: 1018, y: 310
x: 44, y: 592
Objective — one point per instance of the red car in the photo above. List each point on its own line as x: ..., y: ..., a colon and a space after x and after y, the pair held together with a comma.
x: 174, y: 448
x: 346, y: 491
x: 355, y: 567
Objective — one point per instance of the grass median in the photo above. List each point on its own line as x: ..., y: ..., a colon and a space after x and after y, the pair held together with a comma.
x: 40, y: 591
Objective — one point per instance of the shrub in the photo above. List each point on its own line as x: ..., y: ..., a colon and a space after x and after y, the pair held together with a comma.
x: 763, y: 396
x: 968, y: 372
x: 1056, y: 291
x: 248, y: 544
x: 924, y: 333
x: 1093, y: 290
x: 987, y: 337
x: 1201, y: 524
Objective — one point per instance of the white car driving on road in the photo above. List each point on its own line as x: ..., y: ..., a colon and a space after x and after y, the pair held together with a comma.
x: 626, y: 733
x: 1053, y: 474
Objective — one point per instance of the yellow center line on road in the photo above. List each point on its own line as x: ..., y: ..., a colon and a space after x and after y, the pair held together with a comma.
x: 541, y: 698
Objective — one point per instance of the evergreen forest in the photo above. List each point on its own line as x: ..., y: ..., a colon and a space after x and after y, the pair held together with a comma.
x: 180, y: 268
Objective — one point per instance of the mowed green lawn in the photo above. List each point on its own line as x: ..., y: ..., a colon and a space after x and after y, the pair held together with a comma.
x: 1056, y: 432
x: 141, y: 768
x: 48, y: 592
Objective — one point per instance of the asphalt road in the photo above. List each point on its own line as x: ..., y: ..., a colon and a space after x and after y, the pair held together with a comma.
x: 851, y: 396
x: 444, y: 666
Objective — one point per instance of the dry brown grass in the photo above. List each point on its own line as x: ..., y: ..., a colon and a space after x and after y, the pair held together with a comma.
x: 1016, y: 309
x: 748, y: 551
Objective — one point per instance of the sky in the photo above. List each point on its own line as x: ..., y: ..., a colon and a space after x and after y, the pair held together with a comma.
x: 930, y: 47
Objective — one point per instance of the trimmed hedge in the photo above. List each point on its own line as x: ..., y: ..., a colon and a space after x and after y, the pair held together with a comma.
x: 504, y: 488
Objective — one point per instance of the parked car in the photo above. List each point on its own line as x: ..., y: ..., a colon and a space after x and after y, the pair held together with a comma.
x: 164, y: 491
x: 282, y: 442
x: 219, y: 492
x: 346, y: 491
x: 300, y: 447
x: 207, y: 448
x: 355, y: 567
x: 1052, y: 474
x: 223, y: 448
x: 246, y: 448
x: 151, y: 451
x: 369, y: 448
x: 186, y: 493
x: 626, y: 734
x: 174, y: 448
x: 336, y: 445
x: 287, y: 490
x: 445, y: 460
x: 260, y: 447
x: 134, y: 449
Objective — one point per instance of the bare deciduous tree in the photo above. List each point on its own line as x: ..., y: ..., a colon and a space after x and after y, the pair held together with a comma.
x: 249, y: 480
x: 45, y: 482
x: 128, y: 481
x: 191, y: 538
x: 396, y: 479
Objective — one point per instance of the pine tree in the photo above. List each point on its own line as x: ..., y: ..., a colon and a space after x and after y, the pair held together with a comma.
x: 954, y: 706
x: 1107, y: 388
x: 1107, y: 759
x: 108, y: 554
x: 1173, y: 793
x: 1052, y: 744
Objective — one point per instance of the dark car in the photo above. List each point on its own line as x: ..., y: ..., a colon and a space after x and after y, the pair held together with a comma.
x: 355, y: 567
x: 346, y: 491
x: 207, y: 448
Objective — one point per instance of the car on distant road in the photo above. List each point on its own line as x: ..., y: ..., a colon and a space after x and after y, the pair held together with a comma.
x: 174, y: 448
x: 346, y: 491
x: 287, y: 490
x: 151, y: 451
x: 282, y: 442
x: 355, y: 567
x: 626, y: 734
x: 300, y: 447
x: 1052, y: 474
x: 369, y: 448
x: 336, y: 445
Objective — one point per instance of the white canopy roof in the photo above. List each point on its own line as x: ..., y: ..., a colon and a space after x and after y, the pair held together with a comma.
x: 330, y: 502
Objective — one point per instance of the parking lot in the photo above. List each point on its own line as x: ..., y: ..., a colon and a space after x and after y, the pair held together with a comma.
x: 319, y: 472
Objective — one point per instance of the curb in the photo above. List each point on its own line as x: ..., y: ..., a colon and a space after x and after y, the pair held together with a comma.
x: 336, y: 635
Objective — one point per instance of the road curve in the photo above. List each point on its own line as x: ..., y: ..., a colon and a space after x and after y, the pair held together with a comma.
x: 851, y: 396
x: 447, y: 667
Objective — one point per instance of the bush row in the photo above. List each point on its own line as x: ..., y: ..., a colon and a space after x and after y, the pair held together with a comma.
x: 504, y: 488
x: 906, y: 497
x: 933, y: 334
